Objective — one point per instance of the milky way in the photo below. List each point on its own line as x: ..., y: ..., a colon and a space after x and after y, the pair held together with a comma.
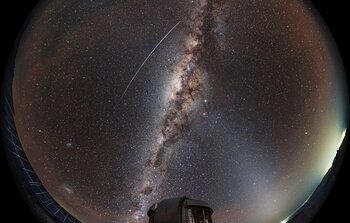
x: 188, y: 75
x: 120, y: 104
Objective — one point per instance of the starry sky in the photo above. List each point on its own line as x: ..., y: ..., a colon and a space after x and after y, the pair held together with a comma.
x: 119, y: 104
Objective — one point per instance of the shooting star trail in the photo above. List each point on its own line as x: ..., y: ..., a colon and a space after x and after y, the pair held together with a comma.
x: 149, y: 55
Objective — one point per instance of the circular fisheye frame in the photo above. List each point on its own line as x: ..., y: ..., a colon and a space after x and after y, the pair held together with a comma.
x: 109, y: 107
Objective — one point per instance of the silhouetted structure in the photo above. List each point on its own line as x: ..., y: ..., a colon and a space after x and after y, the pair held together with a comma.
x: 180, y: 210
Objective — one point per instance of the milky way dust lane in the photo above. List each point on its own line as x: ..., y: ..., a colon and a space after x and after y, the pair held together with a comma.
x: 188, y: 75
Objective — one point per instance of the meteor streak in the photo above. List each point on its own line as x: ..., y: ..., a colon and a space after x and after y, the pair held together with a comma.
x: 149, y: 55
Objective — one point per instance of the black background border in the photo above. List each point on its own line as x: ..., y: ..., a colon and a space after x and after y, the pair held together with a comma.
x: 14, y: 13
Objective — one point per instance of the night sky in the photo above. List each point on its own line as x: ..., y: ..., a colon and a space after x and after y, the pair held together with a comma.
x: 119, y: 104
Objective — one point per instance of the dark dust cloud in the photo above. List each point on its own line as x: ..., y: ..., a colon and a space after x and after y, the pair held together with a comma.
x: 119, y: 104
